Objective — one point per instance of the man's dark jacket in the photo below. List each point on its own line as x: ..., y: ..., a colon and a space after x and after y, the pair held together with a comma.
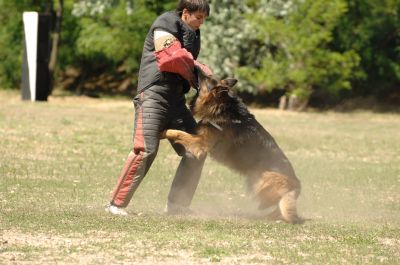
x: 149, y: 73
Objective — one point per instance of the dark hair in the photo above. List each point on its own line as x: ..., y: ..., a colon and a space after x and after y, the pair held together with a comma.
x: 193, y: 6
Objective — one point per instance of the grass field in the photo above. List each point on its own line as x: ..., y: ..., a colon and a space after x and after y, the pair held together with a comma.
x: 59, y: 161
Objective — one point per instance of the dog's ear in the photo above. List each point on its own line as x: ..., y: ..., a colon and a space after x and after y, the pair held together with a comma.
x: 230, y: 82
x: 211, y: 83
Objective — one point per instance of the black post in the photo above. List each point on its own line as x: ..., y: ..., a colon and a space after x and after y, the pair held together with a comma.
x: 36, y: 79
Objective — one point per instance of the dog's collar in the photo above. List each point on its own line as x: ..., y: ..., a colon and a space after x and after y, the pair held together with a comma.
x: 215, y: 125
x: 219, y: 127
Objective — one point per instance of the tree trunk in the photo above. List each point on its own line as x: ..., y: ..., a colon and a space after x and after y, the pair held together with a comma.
x: 56, y: 40
x: 297, y: 104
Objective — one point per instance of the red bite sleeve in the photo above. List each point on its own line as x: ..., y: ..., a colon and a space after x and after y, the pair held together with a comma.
x: 176, y: 59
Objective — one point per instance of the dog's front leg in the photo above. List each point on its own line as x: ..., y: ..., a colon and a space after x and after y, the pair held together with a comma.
x: 192, y: 143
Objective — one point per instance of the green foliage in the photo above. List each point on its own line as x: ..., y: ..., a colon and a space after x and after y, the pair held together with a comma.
x: 228, y: 41
x: 70, y: 31
x: 371, y: 28
x: 10, y: 70
x: 11, y: 40
x: 298, y: 58
x: 115, y: 35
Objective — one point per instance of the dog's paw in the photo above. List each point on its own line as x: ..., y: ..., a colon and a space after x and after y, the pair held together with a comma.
x: 198, y: 151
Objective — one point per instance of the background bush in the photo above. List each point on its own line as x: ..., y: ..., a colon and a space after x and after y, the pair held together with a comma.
x: 319, y: 50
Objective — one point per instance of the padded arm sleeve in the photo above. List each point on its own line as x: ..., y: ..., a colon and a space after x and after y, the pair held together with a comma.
x: 163, y: 39
x: 175, y: 59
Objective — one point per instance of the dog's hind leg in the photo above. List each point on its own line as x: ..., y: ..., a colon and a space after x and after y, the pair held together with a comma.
x: 266, y: 193
x: 277, y: 189
x: 288, y: 207
x: 288, y: 201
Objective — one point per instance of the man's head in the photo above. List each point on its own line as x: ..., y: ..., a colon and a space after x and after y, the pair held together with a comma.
x: 193, y: 12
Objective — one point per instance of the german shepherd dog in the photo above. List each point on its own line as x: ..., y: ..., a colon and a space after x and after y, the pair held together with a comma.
x: 233, y: 137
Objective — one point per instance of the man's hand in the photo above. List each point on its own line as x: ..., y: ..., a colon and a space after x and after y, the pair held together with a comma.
x: 203, y: 68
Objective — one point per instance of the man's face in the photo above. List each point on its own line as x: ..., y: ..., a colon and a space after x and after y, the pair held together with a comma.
x: 194, y: 20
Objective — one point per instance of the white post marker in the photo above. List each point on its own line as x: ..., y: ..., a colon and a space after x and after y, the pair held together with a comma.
x: 31, y: 22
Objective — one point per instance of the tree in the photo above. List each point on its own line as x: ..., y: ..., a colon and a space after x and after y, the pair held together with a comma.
x: 298, y: 59
x: 115, y: 30
x: 56, y: 37
x: 11, y: 42
x: 372, y: 29
x: 228, y: 41
x: 111, y: 36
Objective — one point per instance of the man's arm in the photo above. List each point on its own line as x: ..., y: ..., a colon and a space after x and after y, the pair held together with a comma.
x: 171, y: 57
x: 163, y: 39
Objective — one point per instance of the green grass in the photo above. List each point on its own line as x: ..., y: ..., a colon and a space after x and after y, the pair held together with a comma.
x: 60, y: 160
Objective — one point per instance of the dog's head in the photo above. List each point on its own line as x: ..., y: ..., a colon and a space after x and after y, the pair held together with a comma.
x: 212, y: 94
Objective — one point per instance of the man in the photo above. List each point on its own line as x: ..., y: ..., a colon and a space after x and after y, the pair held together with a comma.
x: 166, y: 74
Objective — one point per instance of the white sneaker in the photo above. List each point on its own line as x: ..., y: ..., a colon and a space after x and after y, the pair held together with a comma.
x: 115, y: 210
